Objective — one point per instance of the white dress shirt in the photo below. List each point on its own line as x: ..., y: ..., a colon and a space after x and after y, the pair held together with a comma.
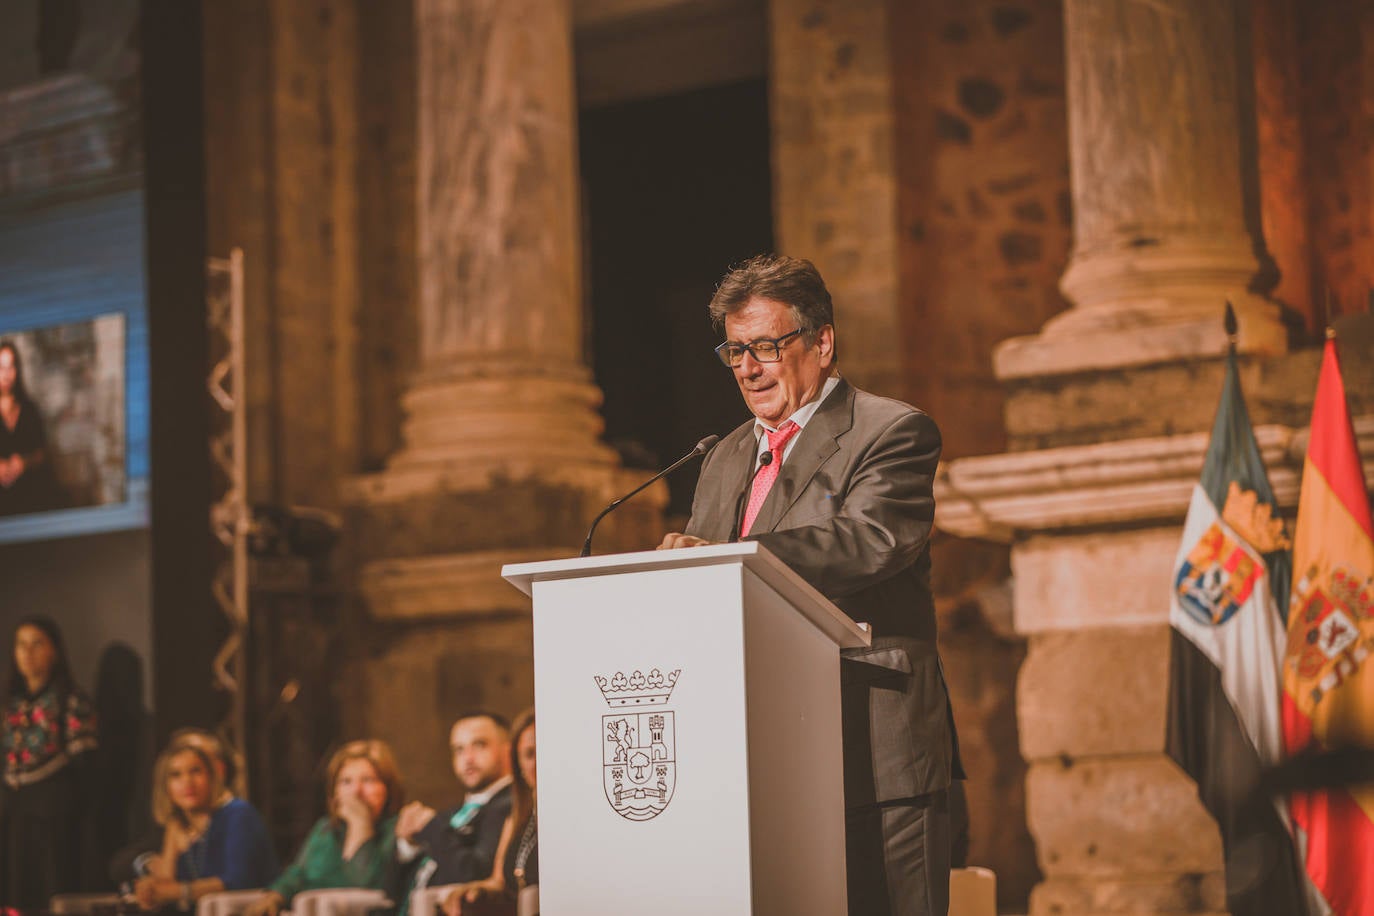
x: 801, y: 417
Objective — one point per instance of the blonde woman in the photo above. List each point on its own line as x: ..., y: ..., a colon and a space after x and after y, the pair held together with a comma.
x: 211, y: 841
x: 355, y: 844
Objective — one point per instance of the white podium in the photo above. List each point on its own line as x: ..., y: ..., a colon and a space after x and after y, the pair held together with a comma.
x: 688, y: 734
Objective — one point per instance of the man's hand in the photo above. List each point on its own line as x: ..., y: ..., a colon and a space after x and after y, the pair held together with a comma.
x: 413, y: 818
x: 469, y: 894
x: 674, y: 540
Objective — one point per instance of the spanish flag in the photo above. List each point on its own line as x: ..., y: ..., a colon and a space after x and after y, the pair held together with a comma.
x: 1328, y: 675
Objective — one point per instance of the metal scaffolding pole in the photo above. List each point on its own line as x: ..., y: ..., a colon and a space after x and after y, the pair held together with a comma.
x: 230, y: 516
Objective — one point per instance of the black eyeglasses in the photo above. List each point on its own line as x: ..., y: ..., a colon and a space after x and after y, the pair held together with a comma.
x: 765, y: 349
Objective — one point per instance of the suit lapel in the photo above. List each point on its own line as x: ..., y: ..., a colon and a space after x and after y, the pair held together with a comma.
x: 736, y: 464
x: 815, y: 444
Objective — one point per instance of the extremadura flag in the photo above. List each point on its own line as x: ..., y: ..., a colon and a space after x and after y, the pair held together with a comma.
x: 1228, y: 639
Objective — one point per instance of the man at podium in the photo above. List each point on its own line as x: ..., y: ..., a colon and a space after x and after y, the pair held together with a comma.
x: 838, y: 484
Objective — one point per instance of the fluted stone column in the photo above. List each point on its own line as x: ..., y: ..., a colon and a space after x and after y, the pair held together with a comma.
x: 1161, y: 236
x: 501, y: 459
x: 502, y: 376
x: 502, y: 400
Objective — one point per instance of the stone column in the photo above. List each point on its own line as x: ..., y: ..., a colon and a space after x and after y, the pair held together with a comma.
x: 502, y: 378
x: 1118, y: 826
x: 1161, y: 234
x: 1102, y: 462
x: 500, y: 459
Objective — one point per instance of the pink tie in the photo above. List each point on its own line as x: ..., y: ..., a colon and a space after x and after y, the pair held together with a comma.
x: 763, y: 480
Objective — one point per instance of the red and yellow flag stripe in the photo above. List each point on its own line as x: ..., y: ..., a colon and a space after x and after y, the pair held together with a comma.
x: 1328, y: 669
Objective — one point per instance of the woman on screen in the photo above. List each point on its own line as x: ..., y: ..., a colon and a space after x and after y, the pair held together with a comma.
x: 26, y: 481
x: 47, y: 735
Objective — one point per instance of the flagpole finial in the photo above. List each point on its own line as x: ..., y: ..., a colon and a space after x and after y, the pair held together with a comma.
x: 1230, y: 324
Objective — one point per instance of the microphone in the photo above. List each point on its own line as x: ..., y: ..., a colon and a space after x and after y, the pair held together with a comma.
x: 764, y: 460
x: 700, y: 449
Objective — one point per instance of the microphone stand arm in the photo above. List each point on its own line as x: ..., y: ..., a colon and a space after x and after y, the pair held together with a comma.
x: 587, y: 544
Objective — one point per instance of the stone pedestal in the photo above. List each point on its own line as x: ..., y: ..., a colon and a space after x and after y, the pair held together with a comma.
x: 1095, y: 529
x: 1163, y: 231
x: 1118, y: 828
x: 501, y: 459
x: 1163, y: 238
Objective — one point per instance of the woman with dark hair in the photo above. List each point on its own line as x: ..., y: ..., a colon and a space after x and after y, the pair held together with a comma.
x: 26, y: 481
x: 47, y: 735
x: 516, y: 875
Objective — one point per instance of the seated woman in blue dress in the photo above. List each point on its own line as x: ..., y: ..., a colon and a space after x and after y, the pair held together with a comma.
x: 211, y: 841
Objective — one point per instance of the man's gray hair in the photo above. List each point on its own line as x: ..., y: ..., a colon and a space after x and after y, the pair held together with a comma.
x: 795, y: 282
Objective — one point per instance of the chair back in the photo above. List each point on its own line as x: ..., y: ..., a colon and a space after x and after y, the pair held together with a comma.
x: 972, y: 892
x: 81, y: 904
x: 425, y: 901
x: 339, y: 901
x: 227, y: 903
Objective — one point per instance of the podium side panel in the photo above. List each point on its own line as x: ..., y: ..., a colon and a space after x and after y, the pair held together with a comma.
x: 796, y: 763
x: 603, y: 852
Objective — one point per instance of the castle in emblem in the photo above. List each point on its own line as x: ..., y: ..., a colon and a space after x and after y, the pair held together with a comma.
x: 639, y: 749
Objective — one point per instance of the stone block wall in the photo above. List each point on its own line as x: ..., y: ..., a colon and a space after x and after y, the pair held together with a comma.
x: 1336, y: 96
x: 983, y: 234
x: 1180, y: 397
x: 1314, y: 68
x: 282, y: 163
x: 1114, y: 822
x: 983, y: 201
x: 834, y: 175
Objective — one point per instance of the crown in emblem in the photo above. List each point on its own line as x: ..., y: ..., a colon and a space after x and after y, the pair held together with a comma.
x: 1253, y: 520
x: 1353, y: 591
x: 638, y: 688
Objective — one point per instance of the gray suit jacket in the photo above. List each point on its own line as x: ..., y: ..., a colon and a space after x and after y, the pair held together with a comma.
x: 851, y: 511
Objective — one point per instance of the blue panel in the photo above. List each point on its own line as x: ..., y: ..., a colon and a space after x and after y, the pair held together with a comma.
x: 70, y: 262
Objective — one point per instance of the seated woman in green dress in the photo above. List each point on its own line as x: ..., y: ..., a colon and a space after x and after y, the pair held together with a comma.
x: 355, y: 845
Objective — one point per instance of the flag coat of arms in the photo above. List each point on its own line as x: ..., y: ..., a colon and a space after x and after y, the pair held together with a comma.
x: 1227, y: 644
x: 1328, y: 679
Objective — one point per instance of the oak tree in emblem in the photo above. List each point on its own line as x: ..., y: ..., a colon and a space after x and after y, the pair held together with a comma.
x: 639, y: 755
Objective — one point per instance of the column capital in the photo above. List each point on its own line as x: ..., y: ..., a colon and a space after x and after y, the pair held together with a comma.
x: 1000, y: 497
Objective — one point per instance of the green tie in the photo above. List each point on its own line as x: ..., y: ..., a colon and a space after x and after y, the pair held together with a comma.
x: 464, y: 814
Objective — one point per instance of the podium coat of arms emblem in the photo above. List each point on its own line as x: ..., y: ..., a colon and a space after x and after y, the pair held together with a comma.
x: 638, y: 743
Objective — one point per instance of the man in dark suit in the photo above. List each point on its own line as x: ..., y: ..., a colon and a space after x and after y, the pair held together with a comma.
x: 459, y: 845
x: 837, y: 483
